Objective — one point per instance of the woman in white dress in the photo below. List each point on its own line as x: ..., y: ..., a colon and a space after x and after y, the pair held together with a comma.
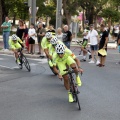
x: 59, y: 34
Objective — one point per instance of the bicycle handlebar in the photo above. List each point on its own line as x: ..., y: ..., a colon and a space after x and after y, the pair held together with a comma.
x: 71, y: 71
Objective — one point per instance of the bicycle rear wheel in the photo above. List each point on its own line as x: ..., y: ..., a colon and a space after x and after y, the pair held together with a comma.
x: 26, y: 63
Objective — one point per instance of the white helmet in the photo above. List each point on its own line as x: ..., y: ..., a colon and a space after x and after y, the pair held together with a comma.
x: 48, y: 35
x: 54, y: 40
x: 60, y: 48
x: 14, y: 37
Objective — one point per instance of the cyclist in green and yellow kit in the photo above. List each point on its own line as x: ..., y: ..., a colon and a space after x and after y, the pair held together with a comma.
x: 64, y: 58
x: 15, y: 44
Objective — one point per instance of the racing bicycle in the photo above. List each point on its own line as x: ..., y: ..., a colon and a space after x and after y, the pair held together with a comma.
x: 23, y: 60
x: 73, y: 87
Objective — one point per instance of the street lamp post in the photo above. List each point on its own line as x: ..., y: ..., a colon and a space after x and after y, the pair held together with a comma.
x: 32, y: 5
x: 58, y: 14
x: 33, y: 11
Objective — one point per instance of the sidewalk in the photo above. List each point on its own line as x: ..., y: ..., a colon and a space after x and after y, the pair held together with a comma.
x: 111, y: 44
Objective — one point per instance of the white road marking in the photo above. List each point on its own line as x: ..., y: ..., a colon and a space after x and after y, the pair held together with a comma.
x: 6, y: 67
x: 43, y: 61
x: 33, y: 64
x: 6, y: 55
x: 1, y: 59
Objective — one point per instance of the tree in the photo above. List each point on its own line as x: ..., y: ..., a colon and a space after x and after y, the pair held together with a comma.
x: 47, y: 9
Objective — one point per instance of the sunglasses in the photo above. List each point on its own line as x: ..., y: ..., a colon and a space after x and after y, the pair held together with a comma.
x: 54, y: 44
x: 60, y: 53
x: 15, y: 40
x: 48, y: 38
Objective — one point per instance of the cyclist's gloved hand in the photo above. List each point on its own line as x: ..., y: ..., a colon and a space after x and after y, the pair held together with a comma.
x: 80, y: 70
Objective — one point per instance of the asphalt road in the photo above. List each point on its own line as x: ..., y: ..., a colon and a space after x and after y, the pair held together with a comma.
x: 39, y: 95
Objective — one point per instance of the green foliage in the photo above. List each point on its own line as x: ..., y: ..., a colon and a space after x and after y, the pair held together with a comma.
x: 79, y: 34
x: 111, y: 14
x: 46, y: 9
x: 16, y: 8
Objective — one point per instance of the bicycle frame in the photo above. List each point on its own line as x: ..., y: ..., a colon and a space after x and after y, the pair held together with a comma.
x: 73, y: 87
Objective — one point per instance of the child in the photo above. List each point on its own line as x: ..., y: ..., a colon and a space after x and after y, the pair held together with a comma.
x: 32, y: 37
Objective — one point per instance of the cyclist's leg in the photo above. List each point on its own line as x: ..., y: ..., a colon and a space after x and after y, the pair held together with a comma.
x: 15, y: 52
x: 78, y: 80
x: 17, y: 47
x: 83, y: 48
x: 62, y: 66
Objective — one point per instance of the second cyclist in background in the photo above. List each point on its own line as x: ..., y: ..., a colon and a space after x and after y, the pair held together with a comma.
x: 84, y: 45
x: 16, y: 44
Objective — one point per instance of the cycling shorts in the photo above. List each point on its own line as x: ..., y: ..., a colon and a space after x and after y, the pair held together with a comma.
x: 84, y: 43
x: 63, y: 65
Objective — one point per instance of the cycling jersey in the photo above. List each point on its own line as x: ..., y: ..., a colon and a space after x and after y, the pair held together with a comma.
x: 67, y: 59
x: 45, y: 43
x: 15, y: 45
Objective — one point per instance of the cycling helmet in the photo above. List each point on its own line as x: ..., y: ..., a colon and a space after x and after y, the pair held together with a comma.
x: 14, y: 37
x: 48, y: 35
x: 60, y: 48
x: 54, y: 40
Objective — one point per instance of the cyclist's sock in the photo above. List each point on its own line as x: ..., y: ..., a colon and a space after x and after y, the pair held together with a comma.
x: 18, y: 61
x: 70, y: 97
x: 78, y: 80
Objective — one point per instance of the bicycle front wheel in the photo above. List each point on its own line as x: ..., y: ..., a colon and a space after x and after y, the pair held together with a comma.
x: 26, y: 63
x: 75, y: 96
x: 77, y: 100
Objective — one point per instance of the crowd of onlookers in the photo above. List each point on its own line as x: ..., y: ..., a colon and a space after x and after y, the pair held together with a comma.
x: 35, y: 33
x: 39, y: 30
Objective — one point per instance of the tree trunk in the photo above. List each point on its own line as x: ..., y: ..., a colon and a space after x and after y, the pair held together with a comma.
x: 91, y: 16
x: 68, y: 18
x: 14, y: 18
x: 0, y: 14
x: 66, y: 12
x: 95, y: 22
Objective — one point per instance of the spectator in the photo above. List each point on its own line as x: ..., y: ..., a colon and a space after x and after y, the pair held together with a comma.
x: 26, y: 37
x: 32, y: 37
x: 40, y: 20
x: 93, y: 38
x: 118, y: 40
x: 6, y: 32
x: 40, y: 34
x: 59, y: 34
x: 51, y: 29
x: 21, y: 30
x: 116, y: 31
x: 67, y: 36
x: 103, y: 45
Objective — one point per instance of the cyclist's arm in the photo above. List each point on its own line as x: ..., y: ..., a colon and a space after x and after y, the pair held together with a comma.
x: 77, y: 61
x: 21, y: 42
x: 46, y: 52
